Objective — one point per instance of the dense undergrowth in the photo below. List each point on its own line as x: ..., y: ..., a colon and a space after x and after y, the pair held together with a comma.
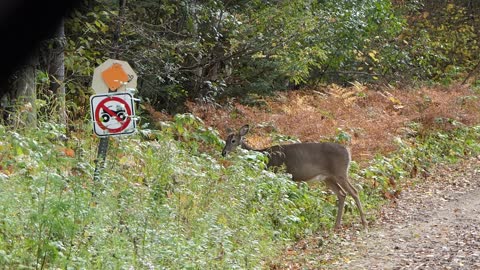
x: 167, y: 200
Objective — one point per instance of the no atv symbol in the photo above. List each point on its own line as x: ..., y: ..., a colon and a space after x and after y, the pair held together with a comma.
x: 112, y: 114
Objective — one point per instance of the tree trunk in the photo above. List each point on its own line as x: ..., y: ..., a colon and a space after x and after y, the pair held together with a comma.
x: 57, y: 71
x: 118, y: 29
x: 26, y: 114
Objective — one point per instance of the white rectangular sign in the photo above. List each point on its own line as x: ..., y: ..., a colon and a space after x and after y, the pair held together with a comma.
x: 113, y: 114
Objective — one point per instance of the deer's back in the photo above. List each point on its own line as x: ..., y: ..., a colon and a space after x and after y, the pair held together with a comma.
x: 307, y: 160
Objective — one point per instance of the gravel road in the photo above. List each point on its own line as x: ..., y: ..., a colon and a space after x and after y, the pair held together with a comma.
x: 432, y: 225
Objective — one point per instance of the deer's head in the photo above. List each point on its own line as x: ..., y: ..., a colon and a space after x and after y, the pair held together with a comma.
x: 234, y: 139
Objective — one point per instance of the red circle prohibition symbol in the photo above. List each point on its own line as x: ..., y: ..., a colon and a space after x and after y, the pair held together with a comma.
x: 124, y: 123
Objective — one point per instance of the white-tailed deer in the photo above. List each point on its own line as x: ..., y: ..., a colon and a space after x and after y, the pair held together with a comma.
x: 307, y: 162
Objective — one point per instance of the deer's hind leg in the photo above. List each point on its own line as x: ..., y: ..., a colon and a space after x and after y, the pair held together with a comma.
x: 350, y: 189
x: 354, y: 193
x: 332, y: 184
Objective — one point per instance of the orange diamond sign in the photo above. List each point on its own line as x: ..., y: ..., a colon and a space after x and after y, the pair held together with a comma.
x: 113, y: 76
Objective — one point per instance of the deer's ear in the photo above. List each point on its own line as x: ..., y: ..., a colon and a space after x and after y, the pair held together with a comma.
x: 244, y: 130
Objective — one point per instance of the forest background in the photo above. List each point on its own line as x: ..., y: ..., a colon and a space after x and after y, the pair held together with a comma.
x: 217, y: 51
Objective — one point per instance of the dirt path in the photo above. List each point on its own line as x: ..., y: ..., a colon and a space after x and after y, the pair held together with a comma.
x: 433, y: 225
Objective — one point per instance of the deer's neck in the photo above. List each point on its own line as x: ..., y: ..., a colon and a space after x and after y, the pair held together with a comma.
x: 276, y: 155
x: 248, y: 147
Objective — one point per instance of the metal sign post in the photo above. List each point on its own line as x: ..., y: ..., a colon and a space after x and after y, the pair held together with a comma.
x: 112, y: 108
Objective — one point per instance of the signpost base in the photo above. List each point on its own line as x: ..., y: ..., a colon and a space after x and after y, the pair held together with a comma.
x: 101, y: 157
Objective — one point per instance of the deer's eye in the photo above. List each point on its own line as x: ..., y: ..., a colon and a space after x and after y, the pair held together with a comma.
x: 233, y: 140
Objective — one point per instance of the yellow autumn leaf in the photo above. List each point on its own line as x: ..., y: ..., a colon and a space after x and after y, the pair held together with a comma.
x: 373, y: 55
x: 395, y: 100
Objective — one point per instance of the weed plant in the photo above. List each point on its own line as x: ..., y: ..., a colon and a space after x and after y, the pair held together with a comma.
x: 160, y: 203
x: 168, y: 200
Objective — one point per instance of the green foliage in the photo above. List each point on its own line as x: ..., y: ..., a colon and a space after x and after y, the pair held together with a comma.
x: 192, y: 132
x: 342, y: 137
x: 416, y: 156
x: 211, y: 50
x: 169, y: 203
x: 88, y: 45
x: 158, y: 204
x: 205, y: 51
x: 300, y: 42
x: 357, y: 37
x: 184, y: 49
x: 441, y: 44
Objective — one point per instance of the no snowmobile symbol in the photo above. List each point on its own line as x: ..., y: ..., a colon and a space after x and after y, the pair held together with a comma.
x: 112, y: 114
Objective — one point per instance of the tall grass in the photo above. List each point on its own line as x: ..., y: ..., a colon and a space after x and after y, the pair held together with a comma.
x: 167, y: 200
x: 159, y: 204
